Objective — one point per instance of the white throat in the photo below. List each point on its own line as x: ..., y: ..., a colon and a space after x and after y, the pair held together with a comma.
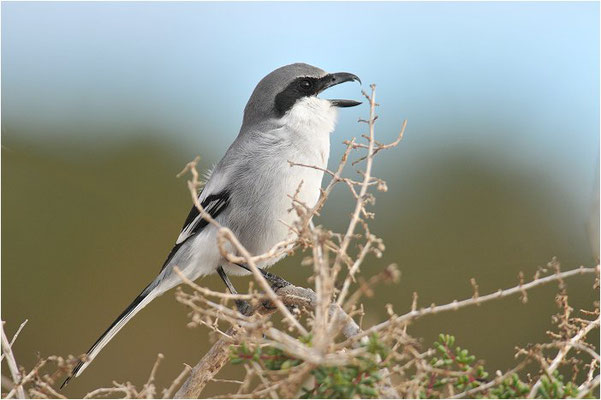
x: 311, y: 115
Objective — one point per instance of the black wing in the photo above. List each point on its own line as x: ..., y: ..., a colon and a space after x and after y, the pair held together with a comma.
x: 214, y: 205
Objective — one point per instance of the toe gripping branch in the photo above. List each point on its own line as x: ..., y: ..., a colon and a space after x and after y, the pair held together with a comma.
x: 243, y: 307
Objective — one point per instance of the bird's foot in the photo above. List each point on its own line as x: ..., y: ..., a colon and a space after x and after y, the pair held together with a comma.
x: 243, y: 307
x: 274, y: 281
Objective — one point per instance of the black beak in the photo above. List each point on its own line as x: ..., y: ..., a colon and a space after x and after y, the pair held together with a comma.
x: 336, y: 79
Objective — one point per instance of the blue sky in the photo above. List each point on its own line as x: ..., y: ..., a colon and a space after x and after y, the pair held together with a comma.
x: 518, y: 83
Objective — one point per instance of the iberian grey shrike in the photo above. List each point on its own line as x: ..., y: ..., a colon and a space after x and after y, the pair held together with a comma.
x: 248, y: 190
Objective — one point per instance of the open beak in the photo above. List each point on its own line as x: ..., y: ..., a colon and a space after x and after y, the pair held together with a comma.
x: 336, y: 79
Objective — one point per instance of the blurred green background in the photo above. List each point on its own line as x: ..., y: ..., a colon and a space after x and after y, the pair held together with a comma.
x: 103, y: 103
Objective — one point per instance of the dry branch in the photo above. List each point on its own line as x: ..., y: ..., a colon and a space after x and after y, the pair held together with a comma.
x: 499, y: 294
x: 12, y: 363
x: 562, y: 354
x: 218, y: 355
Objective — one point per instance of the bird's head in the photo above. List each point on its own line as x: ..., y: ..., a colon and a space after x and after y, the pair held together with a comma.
x: 293, y: 89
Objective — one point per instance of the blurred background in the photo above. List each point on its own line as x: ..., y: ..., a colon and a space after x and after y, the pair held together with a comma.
x: 103, y: 103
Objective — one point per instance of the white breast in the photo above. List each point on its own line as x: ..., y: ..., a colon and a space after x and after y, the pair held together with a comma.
x: 261, y: 218
x: 308, y: 125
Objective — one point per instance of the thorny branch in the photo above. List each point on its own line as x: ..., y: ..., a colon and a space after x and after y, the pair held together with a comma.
x: 475, y: 300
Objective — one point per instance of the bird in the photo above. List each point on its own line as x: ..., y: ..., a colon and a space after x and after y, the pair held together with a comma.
x: 249, y: 189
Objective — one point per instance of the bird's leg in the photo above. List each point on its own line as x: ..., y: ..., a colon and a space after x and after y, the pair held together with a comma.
x: 242, y: 306
x: 274, y: 281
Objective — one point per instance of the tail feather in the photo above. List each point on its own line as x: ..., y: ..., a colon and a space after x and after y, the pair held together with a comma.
x: 147, y: 295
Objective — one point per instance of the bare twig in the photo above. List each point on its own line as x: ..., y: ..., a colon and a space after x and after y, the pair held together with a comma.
x: 562, y: 353
x: 168, y: 392
x: 587, y: 388
x: 12, y: 366
x: 455, y: 305
x: 15, y: 336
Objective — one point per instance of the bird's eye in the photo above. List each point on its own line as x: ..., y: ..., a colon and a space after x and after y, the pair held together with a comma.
x: 306, y: 84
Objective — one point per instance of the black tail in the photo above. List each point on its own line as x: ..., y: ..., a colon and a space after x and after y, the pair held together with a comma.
x: 139, y: 302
